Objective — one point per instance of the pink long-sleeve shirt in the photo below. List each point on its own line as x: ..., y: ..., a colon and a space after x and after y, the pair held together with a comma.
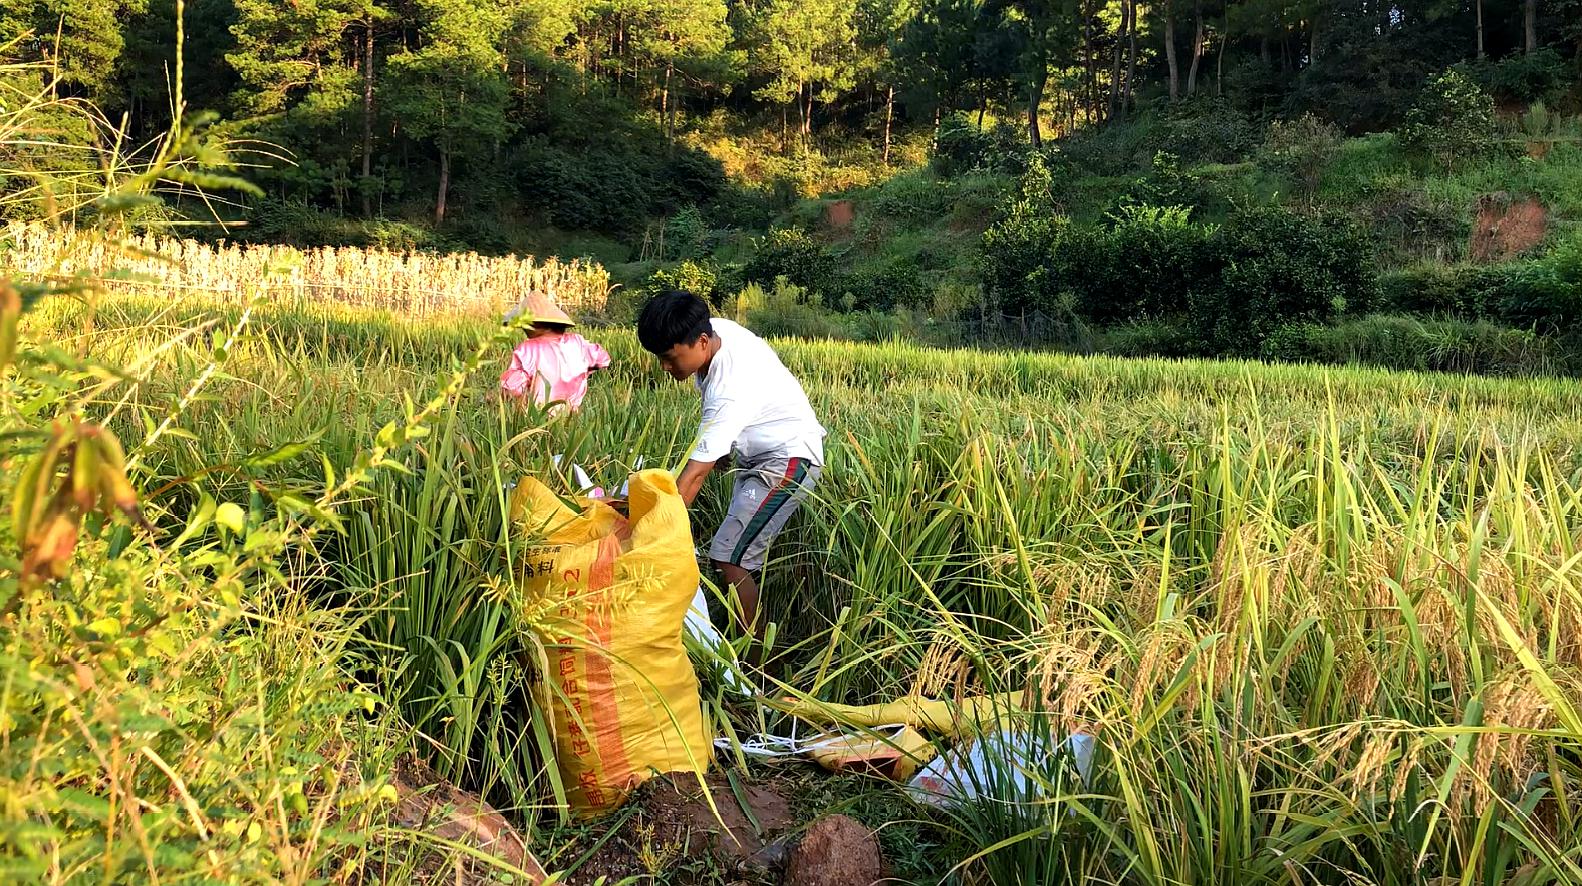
x: 556, y: 367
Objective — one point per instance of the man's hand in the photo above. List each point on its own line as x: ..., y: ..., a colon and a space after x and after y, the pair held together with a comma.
x: 690, y: 483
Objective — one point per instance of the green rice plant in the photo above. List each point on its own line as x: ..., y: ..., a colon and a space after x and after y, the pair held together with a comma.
x: 1323, y: 622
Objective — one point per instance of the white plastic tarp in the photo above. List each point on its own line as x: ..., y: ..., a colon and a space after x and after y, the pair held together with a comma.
x: 1008, y: 765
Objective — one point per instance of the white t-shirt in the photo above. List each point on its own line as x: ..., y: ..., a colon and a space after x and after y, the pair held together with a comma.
x: 753, y: 405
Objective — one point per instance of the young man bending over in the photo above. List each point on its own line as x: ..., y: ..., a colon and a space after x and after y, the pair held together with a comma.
x: 755, y: 412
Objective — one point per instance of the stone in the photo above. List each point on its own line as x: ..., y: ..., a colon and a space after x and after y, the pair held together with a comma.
x: 836, y: 851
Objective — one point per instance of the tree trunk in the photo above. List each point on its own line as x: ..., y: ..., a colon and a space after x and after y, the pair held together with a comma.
x: 1312, y: 43
x: 889, y: 115
x: 368, y: 115
x: 801, y: 114
x: 1089, y: 61
x: 807, y: 119
x: 1170, y: 50
x: 444, y: 186
x: 675, y: 110
x: 1219, y: 66
x: 1530, y: 25
x: 1035, y: 101
x: 1480, y: 29
x: 1131, y: 52
x: 664, y: 99
x: 1115, y: 64
x: 1197, y: 49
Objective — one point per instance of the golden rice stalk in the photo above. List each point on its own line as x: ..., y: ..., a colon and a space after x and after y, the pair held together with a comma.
x: 404, y: 283
x: 944, y: 672
x: 1512, y: 705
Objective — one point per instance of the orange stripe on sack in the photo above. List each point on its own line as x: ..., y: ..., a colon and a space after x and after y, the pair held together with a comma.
x: 605, y: 712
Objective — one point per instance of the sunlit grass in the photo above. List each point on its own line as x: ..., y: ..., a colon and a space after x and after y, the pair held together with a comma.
x: 1326, y: 624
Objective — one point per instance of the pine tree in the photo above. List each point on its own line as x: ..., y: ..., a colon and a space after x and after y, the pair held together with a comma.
x: 83, y: 37
x: 290, y: 52
x: 805, y: 50
x: 452, y: 91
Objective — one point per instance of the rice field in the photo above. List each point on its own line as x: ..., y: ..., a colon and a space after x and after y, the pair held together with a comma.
x: 1326, y: 624
x: 412, y: 284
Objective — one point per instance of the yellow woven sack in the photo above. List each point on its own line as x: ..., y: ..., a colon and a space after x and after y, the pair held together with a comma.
x: 894, y: 753
x: 610, y: 595
x: 942, y: 717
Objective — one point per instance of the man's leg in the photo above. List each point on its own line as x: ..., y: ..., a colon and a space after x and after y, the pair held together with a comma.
x: 763, y: 501
x: 745, y: 590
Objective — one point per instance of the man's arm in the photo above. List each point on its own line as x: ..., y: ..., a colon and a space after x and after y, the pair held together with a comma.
x: 690, y: 483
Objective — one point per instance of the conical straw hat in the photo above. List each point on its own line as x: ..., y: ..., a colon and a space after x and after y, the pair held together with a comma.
x: 540, y: 308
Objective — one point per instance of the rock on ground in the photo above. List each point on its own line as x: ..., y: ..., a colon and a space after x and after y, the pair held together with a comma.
x: 429, y: 803
x: 836, y: 851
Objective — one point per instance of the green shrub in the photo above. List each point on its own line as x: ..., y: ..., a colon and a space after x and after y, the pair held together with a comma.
x: 1300, y: 150
x: 1544, y: 295
x: 740, y: 208
x: 1277, y: 267
x: 1435, y: 290
x: 1014, y: 258
x: 686, y: 234
x: 1195, y: 132
x: 1233, y: 285
x: 1414, y: 225
x: 962, y: 147
x: 584, y: 191
x: 1537, y: 122
x: 1524, y: 76
x: 1534, y: 295
x: 1142, y: 265
x: 951, y: 300
x: 785, y: 310
x: 474, y: 233
x: 297, y: 223
x: 1205, y: 131
x: 881, y: 326
x: 792, y: 254
x: 1367, y: 85
x: 1409, y: 343
x: 614, y: 185
x: 898, y: 283
x: 699, y: 278
x: 1153, y: 338
x: 1167, y: 184
x: 1114, y: 149
x: 1452, y: 121
x: 914, y: 195
x: 1145, y: 267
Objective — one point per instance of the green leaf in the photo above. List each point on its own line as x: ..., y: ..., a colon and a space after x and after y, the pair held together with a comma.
x: 231, y: 516
x: 282, y: 453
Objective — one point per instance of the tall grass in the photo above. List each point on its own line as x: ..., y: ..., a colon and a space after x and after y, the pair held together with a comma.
x: 173, y: 704
x: 405, y: 282
x: 1326, y: 624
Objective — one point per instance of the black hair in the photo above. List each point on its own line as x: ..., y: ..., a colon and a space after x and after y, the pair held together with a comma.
x: 673, y: 317
x: 553, y: 327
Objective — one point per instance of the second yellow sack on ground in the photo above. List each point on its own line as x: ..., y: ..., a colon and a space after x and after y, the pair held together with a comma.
x: 607, y: 597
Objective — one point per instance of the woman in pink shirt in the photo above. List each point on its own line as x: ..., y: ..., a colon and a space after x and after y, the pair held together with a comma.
x: 553, y: 364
